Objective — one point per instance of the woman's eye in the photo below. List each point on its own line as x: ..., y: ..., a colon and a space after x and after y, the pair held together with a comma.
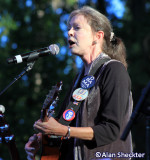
x: 77, y: 28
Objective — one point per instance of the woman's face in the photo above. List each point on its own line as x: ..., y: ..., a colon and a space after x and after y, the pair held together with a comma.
x: 80, y: 36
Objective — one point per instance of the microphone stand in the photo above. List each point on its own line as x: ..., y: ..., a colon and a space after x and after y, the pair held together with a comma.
x: 5, y: 134
x: 26, y: 69
x: 134, y: 115
x: 148, y: 137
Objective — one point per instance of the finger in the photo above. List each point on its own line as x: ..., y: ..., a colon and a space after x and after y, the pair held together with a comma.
x: 36, y: 125
x: 30, y: 154
x: 29, y: 149
x: 39, y: 135
x: 41, y: 124
x: 30, y: 157
x: 42, y: 130
x: 30, y: 143
x: 39, y: 128
x: 33, y: 138
x: 39, y: 120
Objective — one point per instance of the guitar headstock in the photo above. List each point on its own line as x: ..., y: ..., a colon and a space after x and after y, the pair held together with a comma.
x: 5, y: 135
x: 50, y: 101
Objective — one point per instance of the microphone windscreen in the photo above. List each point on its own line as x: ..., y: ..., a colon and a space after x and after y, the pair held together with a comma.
x: 54, y: 49
x: 2, y: 108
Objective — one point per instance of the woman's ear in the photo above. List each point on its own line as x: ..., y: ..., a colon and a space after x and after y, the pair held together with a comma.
x: 100, y: 35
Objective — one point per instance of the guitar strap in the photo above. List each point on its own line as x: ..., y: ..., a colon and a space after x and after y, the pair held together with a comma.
x: 75, y: 105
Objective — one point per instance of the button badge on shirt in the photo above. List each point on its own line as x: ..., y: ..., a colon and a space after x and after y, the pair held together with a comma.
x: 80, y: 94
x: 87, y: 82
x: 69, y: 115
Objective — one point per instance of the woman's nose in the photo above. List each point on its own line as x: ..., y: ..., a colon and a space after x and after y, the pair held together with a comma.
x: 70, y: 32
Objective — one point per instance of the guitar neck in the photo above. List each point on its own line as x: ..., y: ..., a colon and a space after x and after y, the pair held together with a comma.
x: 50, y: 146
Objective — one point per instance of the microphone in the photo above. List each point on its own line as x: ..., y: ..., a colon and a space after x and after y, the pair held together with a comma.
x: 34, y: 55
x: 2, y: 108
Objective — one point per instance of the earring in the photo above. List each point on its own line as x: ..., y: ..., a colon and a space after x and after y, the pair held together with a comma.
x: 94, y: 42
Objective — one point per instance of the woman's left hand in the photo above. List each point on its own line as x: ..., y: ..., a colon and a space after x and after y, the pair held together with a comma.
x: 51, y: 127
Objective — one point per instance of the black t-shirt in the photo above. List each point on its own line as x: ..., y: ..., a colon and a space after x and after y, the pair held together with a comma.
x: 115, y: 86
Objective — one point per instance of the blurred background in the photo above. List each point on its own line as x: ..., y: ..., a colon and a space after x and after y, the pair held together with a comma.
x: 26, y: 25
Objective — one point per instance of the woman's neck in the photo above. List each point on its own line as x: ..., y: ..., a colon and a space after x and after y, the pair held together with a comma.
x: 87, y: 66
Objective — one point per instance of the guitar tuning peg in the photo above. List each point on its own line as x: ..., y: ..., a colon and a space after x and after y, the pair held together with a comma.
x: 60, y: 88
x: 4, y: 128
x: 9, y: 138
x: 57, y: 98
x: 54, y: 102
x: 49, y: 97
x: 50, y: 113
x: 51, y: 107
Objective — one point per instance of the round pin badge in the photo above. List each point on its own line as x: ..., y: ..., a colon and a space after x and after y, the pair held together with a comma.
x: 87, y: 82
x: 69, y: 115
x: 80, y: 94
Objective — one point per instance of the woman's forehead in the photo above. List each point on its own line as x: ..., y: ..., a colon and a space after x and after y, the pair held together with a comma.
x: 79, y: 18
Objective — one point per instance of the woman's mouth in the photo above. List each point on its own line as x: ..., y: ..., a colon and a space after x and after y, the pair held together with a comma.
x: 71, y: 43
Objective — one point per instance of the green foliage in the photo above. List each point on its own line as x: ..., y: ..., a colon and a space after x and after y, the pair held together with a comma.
x: 136, y: 25
x: 29, y: 28
x: 33, y: 27
x: 136, y: 35
x: 7, y: 24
